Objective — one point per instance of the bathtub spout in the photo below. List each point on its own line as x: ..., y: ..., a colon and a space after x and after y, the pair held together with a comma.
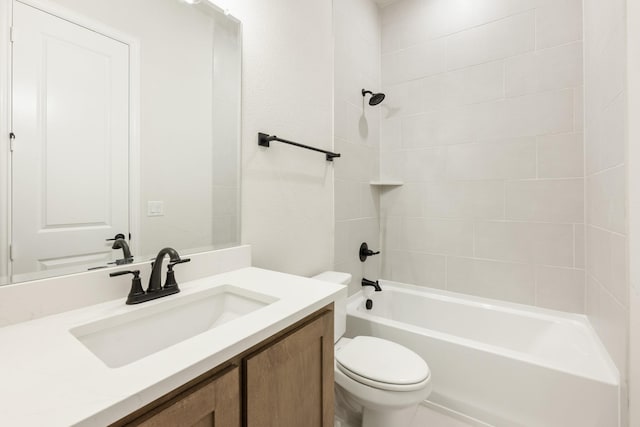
x: 376, y: 285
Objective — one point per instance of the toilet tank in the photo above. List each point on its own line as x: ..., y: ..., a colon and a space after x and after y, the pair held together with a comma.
x: 340, y: 306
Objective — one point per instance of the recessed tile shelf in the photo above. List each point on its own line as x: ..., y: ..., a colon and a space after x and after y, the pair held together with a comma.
x: 386, y: 183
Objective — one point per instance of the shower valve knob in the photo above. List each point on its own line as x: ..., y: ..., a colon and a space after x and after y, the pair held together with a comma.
x: 366, y: 252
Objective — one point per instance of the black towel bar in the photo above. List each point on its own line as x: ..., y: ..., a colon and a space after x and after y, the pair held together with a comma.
x: 264, y: 140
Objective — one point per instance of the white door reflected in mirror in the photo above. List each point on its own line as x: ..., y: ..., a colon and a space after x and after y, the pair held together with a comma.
x: 70, y: 102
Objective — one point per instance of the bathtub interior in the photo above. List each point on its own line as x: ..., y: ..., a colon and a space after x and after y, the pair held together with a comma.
x: 503, y: 363
x: 551, y: 338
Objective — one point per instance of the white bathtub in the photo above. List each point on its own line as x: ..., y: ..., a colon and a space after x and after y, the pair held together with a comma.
x: 501, y: 363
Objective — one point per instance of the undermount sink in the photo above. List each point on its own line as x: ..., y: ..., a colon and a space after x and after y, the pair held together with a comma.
x: 125, y: 338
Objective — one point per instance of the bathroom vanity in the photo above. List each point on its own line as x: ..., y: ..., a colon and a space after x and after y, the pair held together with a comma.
x: 278, y: 382
x: 247, y: 347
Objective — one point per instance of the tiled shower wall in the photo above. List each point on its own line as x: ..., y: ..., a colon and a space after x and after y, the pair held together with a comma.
x: 483, y: 123
x: 357, y: 136
x: 605, y: 145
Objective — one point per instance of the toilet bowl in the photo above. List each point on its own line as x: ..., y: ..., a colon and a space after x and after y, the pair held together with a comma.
x: 385, y: 379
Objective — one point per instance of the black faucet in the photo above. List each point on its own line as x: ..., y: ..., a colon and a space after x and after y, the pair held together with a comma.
x: 126, y: 252
x: 156, y: 269
x: 155, y: 289
x: 375, y: 285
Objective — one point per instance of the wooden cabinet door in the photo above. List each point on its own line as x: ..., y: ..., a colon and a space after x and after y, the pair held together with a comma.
x: 290, y: 383
x: 214, y: 402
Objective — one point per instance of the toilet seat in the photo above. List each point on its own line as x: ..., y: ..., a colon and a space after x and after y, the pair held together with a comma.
x: 382, y: 364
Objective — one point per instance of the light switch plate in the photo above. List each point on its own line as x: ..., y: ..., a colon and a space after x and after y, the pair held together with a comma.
x: 155, y: 208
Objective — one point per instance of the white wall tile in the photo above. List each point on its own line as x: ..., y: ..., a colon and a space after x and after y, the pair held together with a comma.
x: 406, y: 200
x: 415, y: 62
x: 416, y: 268
x: 341, y: 242
x: 434, y: 93
x: 475, y: 84
x: 548, y: 69
x: 606, y: 257
x: 536, y: 114
x: 496, y: 40
x: 452, y: 126
x: 359, y: 162
x: 606, y: 135
x: 514, y: 158
x: 613, y: 329
x: 558, y: 22
x: 592, y: 302
x: 557, y: 200
x: 439, y: 236
x: 606, y: 199
x: 390, y: 134
x: 579, y: 236
x: 391, y: 165
x: 455, y: 125
x: 404, y: 99
x: 560, y: 288
x: 411, y: 21
x: 464, y: 14
x: 491, y: 279
x: 605, y: 110
x: 341, y: 125
x: 561, y: 156
x: 464, y: 199
x: 606, y: 69
x: 601, y: 19
x: 420, y: 130
x: 423, y: 165
x: 363, y: 125
x: 462, y: 131
x: 392, y: 234
x: 347, y: 200
x: 357, y: 136
x: 578, y: 107
x: 369, y: 201
x: 538, y: 243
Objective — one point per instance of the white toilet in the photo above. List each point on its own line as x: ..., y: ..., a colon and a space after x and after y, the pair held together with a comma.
x: 384, y: 378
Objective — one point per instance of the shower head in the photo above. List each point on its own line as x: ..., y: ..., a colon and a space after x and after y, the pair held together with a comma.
x: 376, y: 98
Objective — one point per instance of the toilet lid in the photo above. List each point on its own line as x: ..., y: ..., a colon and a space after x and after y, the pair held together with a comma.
x: 381, y: 361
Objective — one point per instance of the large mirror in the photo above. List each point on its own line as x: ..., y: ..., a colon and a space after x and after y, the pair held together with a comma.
x: 125, y: 122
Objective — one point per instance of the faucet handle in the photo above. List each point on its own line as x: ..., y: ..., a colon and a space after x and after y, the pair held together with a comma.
x: 170, y: 282
x: 180, y: 261
x: 136, y: 293
x: 136, y: 273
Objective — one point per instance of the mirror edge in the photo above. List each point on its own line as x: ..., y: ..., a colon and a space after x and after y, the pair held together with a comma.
x: 5, y: 127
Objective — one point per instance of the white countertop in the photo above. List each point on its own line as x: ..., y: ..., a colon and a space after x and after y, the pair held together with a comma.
x: 49, y: 378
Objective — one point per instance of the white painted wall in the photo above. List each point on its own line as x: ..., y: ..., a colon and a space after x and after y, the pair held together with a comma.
x: 287, y: 90
x: 483, y: 123
x: 357, y: 137
x: 606, y: 164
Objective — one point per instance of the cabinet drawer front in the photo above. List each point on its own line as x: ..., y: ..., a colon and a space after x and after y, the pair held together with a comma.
x: 215, y: 402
